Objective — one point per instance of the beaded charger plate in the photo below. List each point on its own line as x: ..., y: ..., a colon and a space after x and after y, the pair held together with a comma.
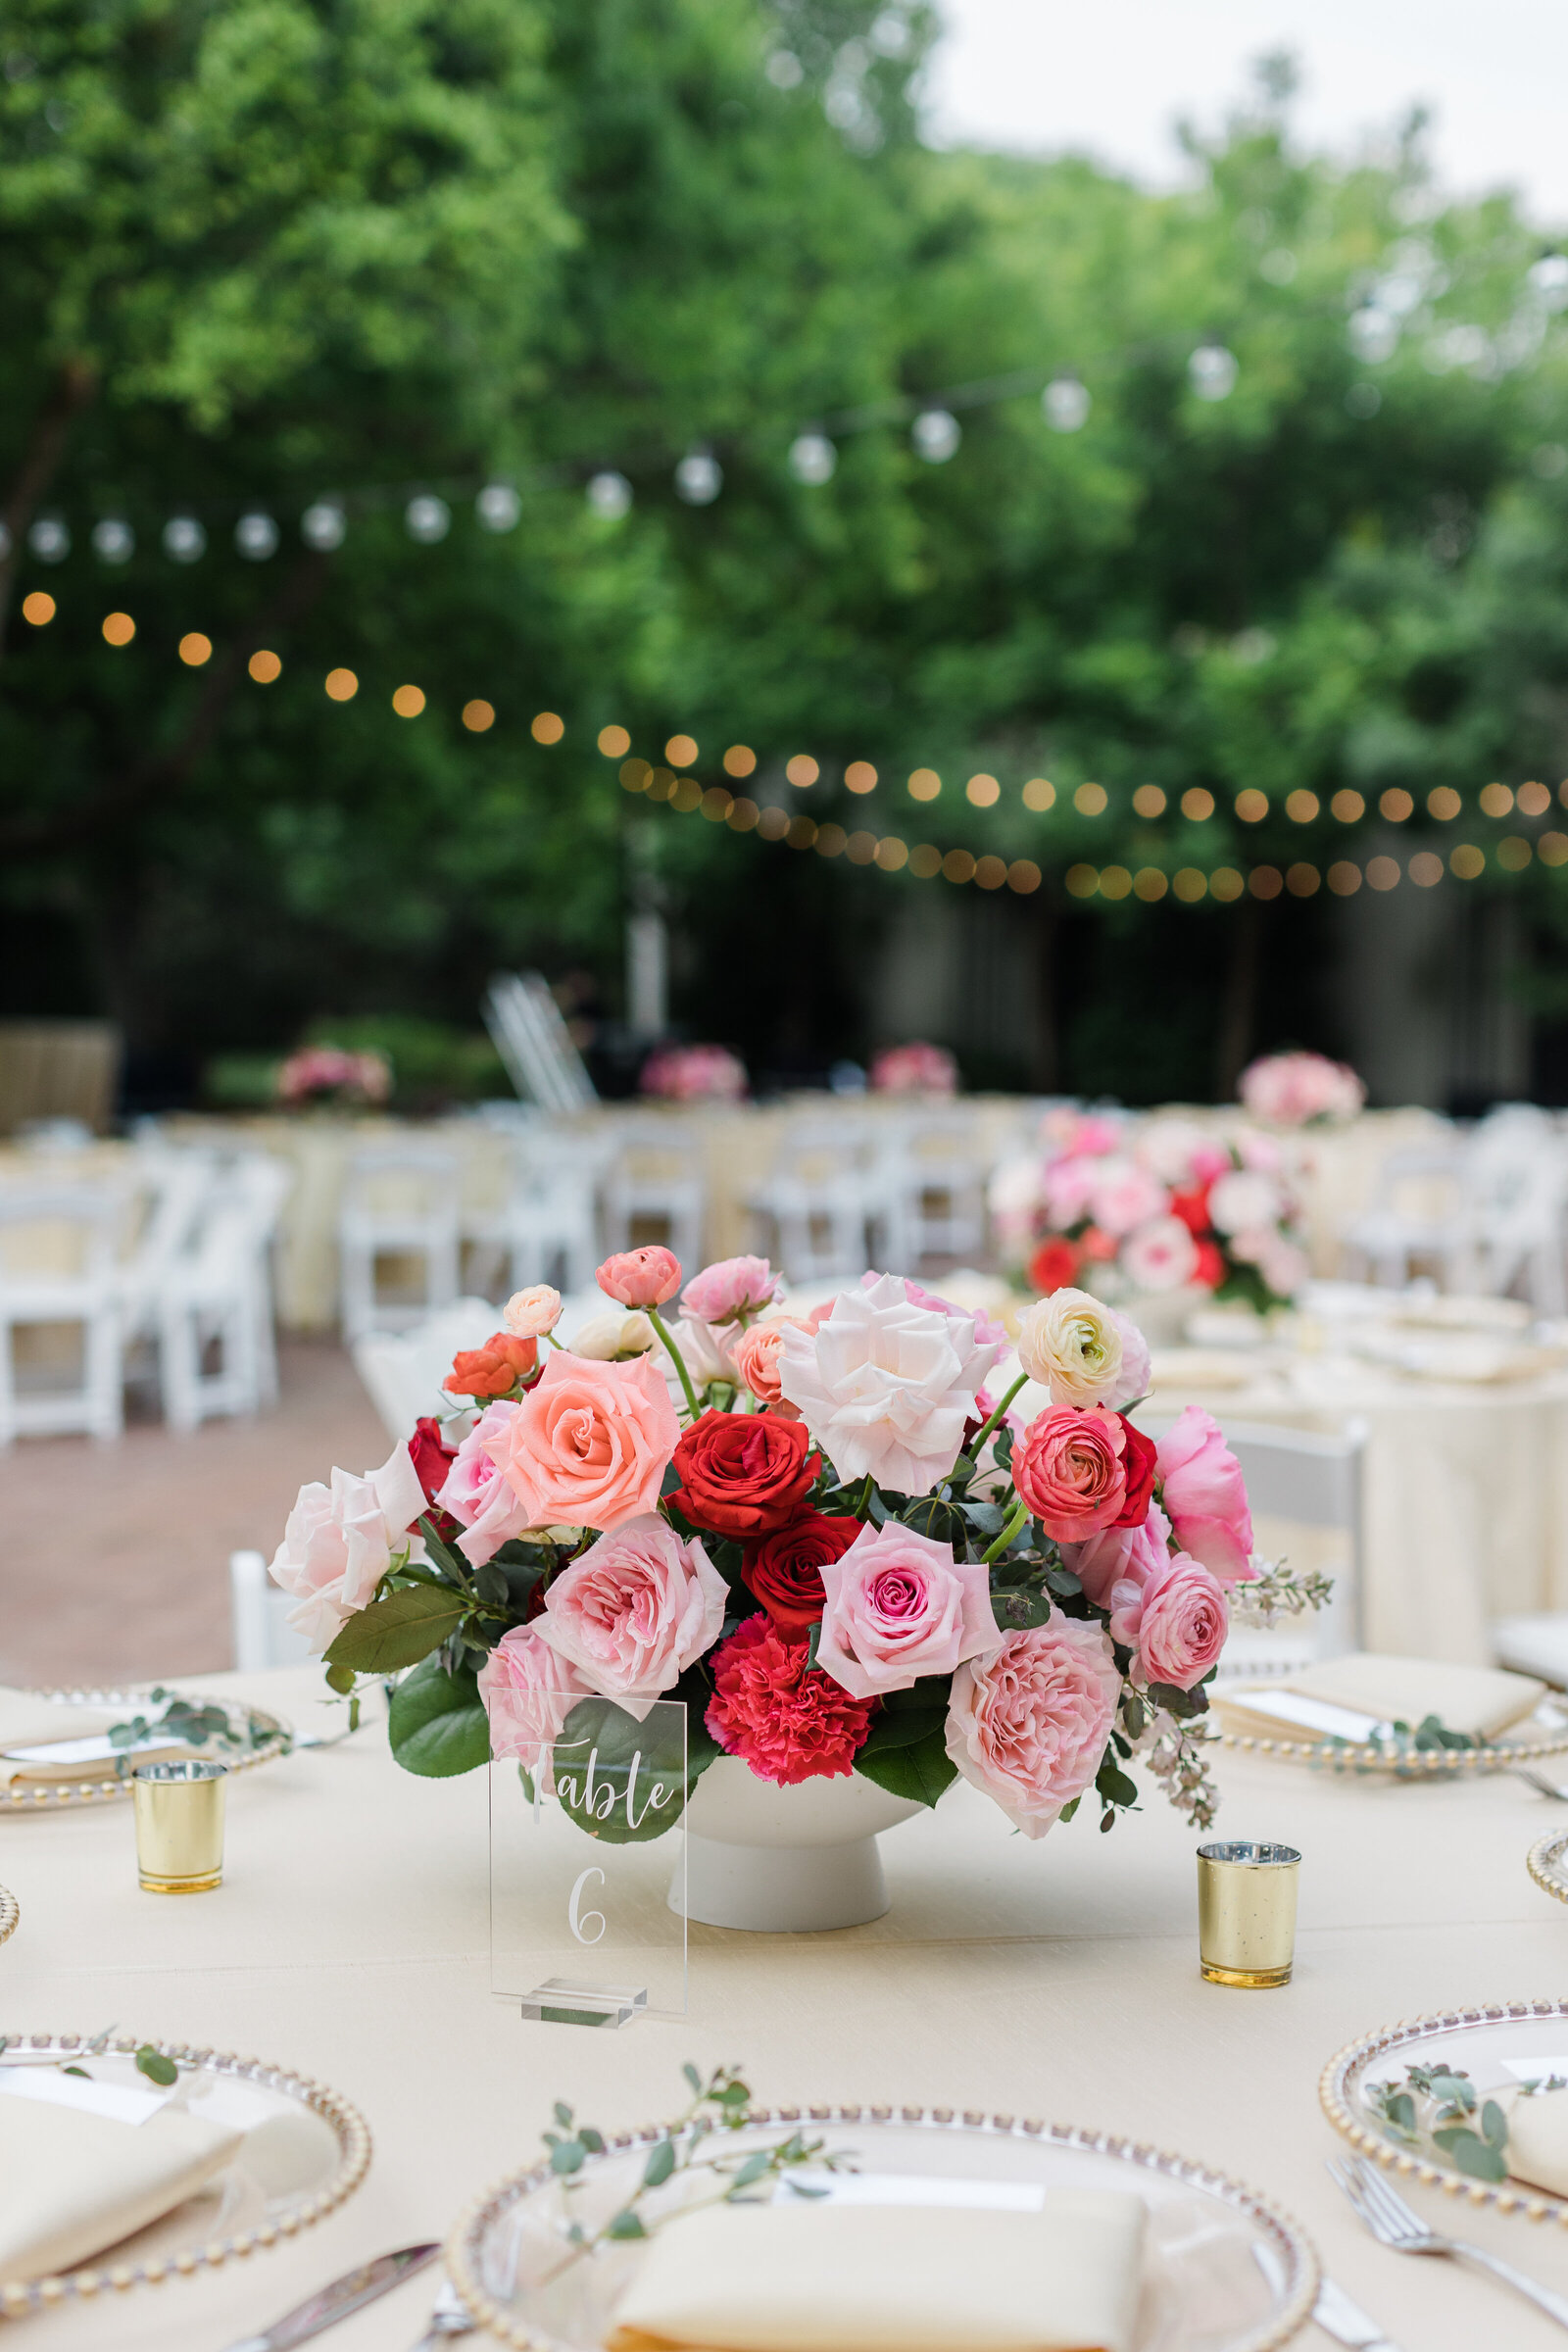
x: 304, y: 2150
x: 9, y: 1913
x: 1543, y: 1733
x: 48, y: 1771
x: 1547, y: 1864
x: 1226, y: 2270
x: 1498, y: 2047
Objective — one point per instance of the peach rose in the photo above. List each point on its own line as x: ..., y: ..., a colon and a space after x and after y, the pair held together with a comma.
x: 530, y: 1313
x: 589, y: 1444
x: 634, y: 1610
x: 640, y: 1277
x: 1028, y: 1727
x: 755, y: 1359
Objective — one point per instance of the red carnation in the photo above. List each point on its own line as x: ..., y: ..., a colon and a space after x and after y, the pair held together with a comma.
x: 785, y: 1570
x: 743, y: 1474
x: 1138, y: 1468
x: 493, y: 1370
x: 1210, y: 1268
x: 787, y: 1720
x: 1193, y: 1210
x: 1053, y: 1265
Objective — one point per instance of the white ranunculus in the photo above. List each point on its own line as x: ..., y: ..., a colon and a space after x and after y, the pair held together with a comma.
x: 884, y: 1387
x: 1073, y: 1346
x: 614, y: 1333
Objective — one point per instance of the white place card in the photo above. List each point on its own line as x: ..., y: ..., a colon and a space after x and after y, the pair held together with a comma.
x: 911, y: 2188
x: 121, y: 2102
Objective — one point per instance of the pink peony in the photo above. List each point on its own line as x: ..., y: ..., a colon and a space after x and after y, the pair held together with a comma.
x: 914, y: 1069
x: 341, y: 1540
x: 886, y: 1387
x: 1205, y: 1495
x: 1183, y: 1620
x: 530, y: 1313
x: 478, y: 1494
x: 529, y: 1689
x: 640, y: 1277
x: 589, y: 1444
x: 1116, y: 1553
x: 634, y: 1610
x: 1071, y: 1470
x: 735, y: 1287
x: 1029, y: 1726
x: 782, y: 1716
x: 1161, y: 1255
x: 900, y: 1606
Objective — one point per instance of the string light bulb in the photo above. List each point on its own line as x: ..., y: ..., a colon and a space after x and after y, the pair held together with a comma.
x: 113, y: 540
x: 699, y: 477
x: 813, y: 460
x: 324, y: 526
x: 1066, y: 403
x: 936, y: 434
x: 256, y: 536
x: 427, y: 519
x: 498, y: 506
x: 608, y: 495
x: 184, y: 539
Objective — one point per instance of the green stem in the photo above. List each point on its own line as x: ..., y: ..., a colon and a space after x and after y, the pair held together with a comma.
x: 1015, y: 1519
x: 657, y: 1322
x: 863, y: 1508
x: 996, y: 1412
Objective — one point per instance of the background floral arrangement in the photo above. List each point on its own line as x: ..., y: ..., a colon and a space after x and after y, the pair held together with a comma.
x: 1301, y: 1090
x: 694, y: 1074
x: 820, y: 1532
x: 1164, y: 1207
x: 914, y: 1069
x: 332, y: 1074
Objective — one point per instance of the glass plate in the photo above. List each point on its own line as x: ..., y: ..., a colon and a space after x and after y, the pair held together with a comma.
x: 9, y: 1913
x: 1543, y: 1733
x: 1477, y: 2042
x: 253, y: 1737
x: 1547, y: 1864
x: 287, y: 2172
x: 1227, y: 2271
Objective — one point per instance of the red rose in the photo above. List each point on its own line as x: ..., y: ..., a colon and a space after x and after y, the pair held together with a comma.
x: 493, y: 1370
x: 1193, y: 1210
x: 1138, y: 1468
x: 432, y: 1457
x: 1210, y: 1268
x: 743, y: 1474
x: 1101, y: 1248
x: 785, y: 1570
x: 1053, y: 1265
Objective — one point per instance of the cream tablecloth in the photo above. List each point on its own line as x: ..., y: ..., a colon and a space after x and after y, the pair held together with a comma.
x: 1057, y: 1980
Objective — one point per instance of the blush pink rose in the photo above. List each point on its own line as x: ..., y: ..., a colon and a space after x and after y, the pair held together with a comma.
x: 341, y: 1540
x: 589, y: 1444
x: 734, y: 1286
x: 1161, y: 1255
x: 900, y: 1606
x: 634, y: 1610
x: 640, y: 1277
x: 529, y: 1689
x: 1028, y: 1727
x: 477, y: 1492
x: 1183, y: 1621
x: 1114, y: 1553
x: 1204, y: 1494
x: 1071, y: 1472
x: 1125, y: 1196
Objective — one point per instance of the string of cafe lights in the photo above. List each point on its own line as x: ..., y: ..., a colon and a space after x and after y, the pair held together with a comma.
x: 1188, y: 884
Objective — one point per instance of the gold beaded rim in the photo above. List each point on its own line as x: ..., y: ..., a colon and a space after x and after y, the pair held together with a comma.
x: 1342, y: 2070
x: 1544, y: 1864
x: 54, y: 1796
x: 9, y: 1913
x: 1291, y: 2243
x: 352, y: 2134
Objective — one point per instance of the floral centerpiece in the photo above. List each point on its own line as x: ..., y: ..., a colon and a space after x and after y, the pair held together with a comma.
x: 825, y: 1532
x: 694, y: 1074
x: 1301, y: 1090
x: 918, y: 1068
x: 1164, y: 1207
x: 332, y: 1074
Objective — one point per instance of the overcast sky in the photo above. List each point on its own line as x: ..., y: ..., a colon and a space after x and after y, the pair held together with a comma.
x: 1109, y: 78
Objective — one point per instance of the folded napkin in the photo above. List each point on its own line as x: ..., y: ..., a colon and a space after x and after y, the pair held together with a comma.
x: 72, y: 2181
x: 1482, y: 1701
x: 829, y: 2277
x: 29, y: 1722
x: 1538, y: 2141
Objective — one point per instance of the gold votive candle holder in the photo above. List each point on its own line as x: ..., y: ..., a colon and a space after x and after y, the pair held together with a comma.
x: 1246, y: 1911
x: 179, y: 1825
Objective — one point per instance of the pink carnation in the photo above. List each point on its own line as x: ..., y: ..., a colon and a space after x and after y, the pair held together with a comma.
x: 1204, y: 1494
x: 900, y: 1606
x: 529, y: 1689
x: 1028, y: 1728
x: 477, y: 1492
x: 734, y: 1286
x: 634, y: 1610
x: 785, y: 1718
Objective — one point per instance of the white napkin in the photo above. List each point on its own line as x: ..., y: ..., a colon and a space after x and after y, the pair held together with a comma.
x: 73, y: 2182
x: 832, y: 2277
x: 1482, y: 1701
x: 29, y: 1721
x: 1537, y: 2140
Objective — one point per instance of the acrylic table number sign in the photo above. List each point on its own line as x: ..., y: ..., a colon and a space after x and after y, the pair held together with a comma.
x: 588, y: 1869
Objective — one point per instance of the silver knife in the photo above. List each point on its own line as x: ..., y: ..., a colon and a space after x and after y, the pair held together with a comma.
x: 1341, y: 2319
x: 332, y: 2303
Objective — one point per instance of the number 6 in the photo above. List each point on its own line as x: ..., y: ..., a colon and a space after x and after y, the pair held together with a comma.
x: 578, y: 1926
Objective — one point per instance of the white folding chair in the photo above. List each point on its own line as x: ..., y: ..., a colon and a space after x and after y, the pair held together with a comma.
x: 931, y: 1190
x: 531, y: 1037
x: 815, y: 1200
x: 545, y: 1229
x: 654, y: 1192
x: 57, y: 1266
x: 1392, y: 1238
x: 400, y: 1200
x: 259, y: 1612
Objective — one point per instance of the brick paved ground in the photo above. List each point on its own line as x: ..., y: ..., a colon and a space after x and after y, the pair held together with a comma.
x: 113, y: 1559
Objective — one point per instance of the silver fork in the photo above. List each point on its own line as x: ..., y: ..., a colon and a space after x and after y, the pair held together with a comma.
x: 449, y: 2318
x: 1537, y: 1781
x: 1393, y: 2224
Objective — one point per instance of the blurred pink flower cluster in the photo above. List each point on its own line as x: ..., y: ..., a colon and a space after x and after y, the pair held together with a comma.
x: 694, y: 1074
x: 332, y: 1073
x: 914, y: 1069
x: 1301, y: 1090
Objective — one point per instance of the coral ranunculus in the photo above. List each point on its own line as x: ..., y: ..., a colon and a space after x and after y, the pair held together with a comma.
x: 756, y: 1355
x: 1072, y: 1471
x: 743, y: 1474
x: 780, y: 1714
x: 493, y: 1370
x: 640, y: 1277
x: 530, y: 1313
x: 785, y: 1570
x: 1054, y: 1266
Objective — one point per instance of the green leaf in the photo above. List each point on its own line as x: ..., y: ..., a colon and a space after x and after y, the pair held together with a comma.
x: 562, y: 2114
x: 341, y: 1678
x: 566, y: 2156
x: 625, y: 2224
x: 77, y: 2070
x: 694, y: 2078
x: 592, y: 2140
x: 661, y: 2164
x: 156, y: 2067
x: 1471, y: 2154
x: 1493, y: 2126
x: 753, y: 2170
x: 439, y: 1725
x: 919, y: 1772
x: 620, y: 1780
x: 1114, y: 1784
x: 399, y: 1630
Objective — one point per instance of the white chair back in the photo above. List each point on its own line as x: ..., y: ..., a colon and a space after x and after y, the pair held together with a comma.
x: 535, y: 1044
x: 259, y: 1613
x: 655, y: 1189
x: 818, y: 1199
x: 403, y: 1371
x: 932, y: 1184
x: 398, y: 1200
x: 57, y: 1245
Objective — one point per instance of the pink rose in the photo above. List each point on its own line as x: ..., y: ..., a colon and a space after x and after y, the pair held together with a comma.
x: 477, y: 1492
x: 1104, y: 1559
x: 1029, y: 1726
x: 735, y: 1287
x: 1161, y: 1255
x: 634, y: 1610
x: 1070, y: 1470
x: 756, y: 1366
x: 900, y: 1606
x: 1204, y: 1494
x: 529, y: 1689
x: 341, y: 1540
x: 1183, y: 1622
x: 1069, y: 1188
x: 589, y: 1444
x: 1124, y: 1195
x: 640, y: 1277
x: 530, y: 1313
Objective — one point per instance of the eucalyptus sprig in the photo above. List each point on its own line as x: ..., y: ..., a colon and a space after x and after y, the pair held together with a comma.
x: 1480, y: 2154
